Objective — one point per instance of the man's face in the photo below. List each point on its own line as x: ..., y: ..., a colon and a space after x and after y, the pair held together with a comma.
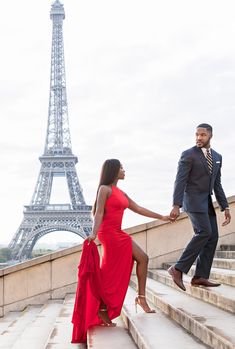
x: 203, y: 137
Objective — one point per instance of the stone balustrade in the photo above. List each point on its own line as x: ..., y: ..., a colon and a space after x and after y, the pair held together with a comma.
x: 54, y: 275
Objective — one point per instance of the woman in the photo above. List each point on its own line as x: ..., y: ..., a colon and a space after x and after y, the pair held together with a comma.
x: 119, y: 251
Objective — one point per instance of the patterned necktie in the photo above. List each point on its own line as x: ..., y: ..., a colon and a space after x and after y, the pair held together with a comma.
x: 209, y: 160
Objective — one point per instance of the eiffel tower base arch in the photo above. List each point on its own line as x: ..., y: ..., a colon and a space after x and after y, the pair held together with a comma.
x: 37, y: 224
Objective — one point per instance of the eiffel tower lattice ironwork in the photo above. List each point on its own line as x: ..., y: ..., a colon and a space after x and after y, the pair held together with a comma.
x: 41, y: 217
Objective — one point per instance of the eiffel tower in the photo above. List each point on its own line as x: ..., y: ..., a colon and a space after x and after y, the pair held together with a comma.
x: 41, y: 217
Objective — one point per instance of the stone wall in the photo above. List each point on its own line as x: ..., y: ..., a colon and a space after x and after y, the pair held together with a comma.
x: 53, y: 275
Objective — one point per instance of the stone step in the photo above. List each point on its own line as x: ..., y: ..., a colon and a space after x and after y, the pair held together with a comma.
x: 37, y: 332
x: 224, y: 263
x: 101, y: 337
x: 213, y: 326
x: 61, y: 334
x: 8, y: 321
x: 227, y: 247
x: 155, y: 331
x: 13, y: 324
x: 98, y: 336
x: 223, y: 296
x: 225, y: 254
x: 225, y: 276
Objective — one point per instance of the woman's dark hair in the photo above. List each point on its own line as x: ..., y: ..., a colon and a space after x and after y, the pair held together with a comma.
x: 108, y: 175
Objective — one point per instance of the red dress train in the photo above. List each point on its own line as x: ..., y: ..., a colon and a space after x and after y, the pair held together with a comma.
x: 109, y: 281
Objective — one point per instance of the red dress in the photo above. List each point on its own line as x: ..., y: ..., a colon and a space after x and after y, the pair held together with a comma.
x: 108, y: 282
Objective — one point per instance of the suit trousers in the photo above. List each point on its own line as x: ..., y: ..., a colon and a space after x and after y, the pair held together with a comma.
x: 203, y: 244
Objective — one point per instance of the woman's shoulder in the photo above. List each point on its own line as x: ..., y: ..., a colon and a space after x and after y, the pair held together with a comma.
x: 105, y: 189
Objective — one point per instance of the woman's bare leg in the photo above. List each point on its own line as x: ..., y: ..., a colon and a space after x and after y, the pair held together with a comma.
x: 141, y: 259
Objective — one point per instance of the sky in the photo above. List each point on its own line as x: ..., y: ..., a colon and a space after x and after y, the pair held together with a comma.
x: 141, y: 75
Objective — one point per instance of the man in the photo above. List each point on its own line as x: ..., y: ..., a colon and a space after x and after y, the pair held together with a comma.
x: 199, y: 173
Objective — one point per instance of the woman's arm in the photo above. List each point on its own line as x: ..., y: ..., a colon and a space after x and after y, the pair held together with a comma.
x: 133, y: 206
x: 103, y: 194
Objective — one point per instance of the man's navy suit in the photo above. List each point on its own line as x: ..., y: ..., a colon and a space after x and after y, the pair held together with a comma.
x: 194, y: 186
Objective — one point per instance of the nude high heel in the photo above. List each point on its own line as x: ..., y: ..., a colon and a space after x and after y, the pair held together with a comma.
x: 145, y: 307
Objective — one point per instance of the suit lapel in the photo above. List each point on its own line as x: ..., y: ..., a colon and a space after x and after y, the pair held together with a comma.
x: 214, y: 158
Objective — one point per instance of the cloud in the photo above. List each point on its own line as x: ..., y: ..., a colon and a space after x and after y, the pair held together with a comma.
x: 140, y: 77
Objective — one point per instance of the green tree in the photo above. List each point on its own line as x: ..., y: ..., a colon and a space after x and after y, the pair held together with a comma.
x: 5, y: 254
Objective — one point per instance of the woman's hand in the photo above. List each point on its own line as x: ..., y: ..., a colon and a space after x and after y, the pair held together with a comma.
x: 91, y: 237
x: 167, y: 219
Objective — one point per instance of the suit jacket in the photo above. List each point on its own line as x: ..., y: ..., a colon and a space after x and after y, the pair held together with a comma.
x: 194, y: 183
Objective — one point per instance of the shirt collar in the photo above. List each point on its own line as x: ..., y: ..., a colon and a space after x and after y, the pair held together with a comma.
x: 205, y: 149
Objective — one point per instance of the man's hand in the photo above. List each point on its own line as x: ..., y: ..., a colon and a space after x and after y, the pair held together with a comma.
x: 227, y: 216
x: 175, y: 212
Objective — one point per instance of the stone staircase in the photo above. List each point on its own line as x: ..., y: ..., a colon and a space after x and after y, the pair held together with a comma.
x: 197, y: 318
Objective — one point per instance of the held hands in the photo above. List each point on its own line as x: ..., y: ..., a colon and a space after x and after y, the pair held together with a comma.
x: 167, y: 219
x: 175, y: 212
x: 227, y: 216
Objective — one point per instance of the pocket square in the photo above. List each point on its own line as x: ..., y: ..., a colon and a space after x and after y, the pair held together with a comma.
x: 218, y: 162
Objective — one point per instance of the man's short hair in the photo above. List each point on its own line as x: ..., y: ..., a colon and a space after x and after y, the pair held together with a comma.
x: 207, y: 126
